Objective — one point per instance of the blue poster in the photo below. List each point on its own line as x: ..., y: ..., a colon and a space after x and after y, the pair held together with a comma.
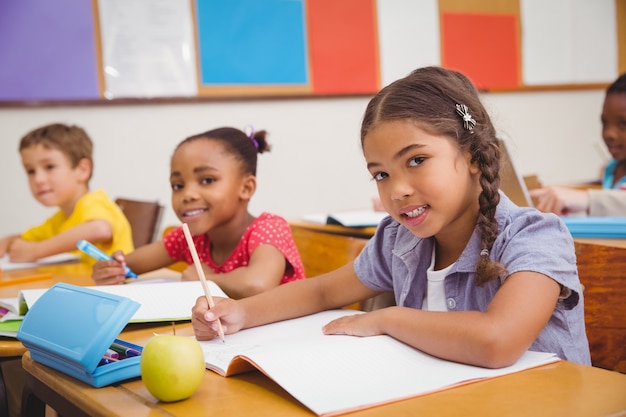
x: 259, y: 42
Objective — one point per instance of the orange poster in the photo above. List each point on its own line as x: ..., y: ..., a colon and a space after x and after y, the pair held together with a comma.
x: 485, y: 47
x: 343, y: 46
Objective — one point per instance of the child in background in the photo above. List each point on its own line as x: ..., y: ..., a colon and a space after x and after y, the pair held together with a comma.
x: 59, y: 164
x: 611, y: 199
x: 213, y: 178
x: 58, y: 161
x: 477, y: 280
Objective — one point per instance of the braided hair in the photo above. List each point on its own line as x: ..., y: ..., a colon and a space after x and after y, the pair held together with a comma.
x: 429, y: 97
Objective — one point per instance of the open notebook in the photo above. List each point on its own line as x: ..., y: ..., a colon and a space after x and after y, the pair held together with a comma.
x: 161, y: 301
x: 337, y: 374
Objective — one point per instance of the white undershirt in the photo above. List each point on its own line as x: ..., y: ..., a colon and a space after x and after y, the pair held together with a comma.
x: 435, y: 298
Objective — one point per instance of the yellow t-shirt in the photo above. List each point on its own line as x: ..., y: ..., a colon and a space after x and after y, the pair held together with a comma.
x: 95, y: 205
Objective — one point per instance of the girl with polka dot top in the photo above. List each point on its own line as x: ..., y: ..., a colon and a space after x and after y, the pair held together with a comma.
x: 213, y: 178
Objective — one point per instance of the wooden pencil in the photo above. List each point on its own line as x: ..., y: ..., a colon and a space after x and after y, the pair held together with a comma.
x: 198, y: 265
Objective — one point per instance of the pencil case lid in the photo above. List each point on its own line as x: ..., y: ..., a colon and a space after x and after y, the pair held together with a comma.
x: 75, y: 325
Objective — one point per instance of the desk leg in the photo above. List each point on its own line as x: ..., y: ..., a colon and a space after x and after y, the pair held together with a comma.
x: 11, y: 381
x: 36, y: 395
x: 4, y: 407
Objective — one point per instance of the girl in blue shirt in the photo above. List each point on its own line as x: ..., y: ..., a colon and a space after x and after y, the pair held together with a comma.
x: 476, y: 279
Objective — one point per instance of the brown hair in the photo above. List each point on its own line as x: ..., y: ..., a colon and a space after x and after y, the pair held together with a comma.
x: 72, y: 141
x: 428, y: 97
x: 243, y: 147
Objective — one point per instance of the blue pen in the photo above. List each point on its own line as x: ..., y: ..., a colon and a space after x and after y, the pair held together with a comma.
x: 97, y: 254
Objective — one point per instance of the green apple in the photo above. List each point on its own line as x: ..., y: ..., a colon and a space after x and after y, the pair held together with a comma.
x: 172, y: 367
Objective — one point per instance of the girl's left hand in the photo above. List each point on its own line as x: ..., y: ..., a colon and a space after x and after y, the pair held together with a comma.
x: 366, y: 324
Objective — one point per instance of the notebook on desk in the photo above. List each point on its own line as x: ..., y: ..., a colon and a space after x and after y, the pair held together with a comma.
x: 348, y: 218
x: 61, y: 258
x: 161, y: 301
x: 337, y: 374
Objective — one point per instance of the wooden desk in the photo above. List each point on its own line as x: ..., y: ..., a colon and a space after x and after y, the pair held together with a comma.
x: 562, y: 388
x: 602, y: 271
x: 11, y: 282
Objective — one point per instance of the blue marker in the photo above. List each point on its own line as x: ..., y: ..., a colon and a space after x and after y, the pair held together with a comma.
x: 125, y: 350
x: 98, y: 255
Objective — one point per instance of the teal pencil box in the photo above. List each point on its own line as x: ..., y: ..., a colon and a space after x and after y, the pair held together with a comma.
x: 71, y: 329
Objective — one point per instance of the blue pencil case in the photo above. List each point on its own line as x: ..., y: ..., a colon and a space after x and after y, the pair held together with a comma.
x: 596, y: 227
x: 71, y: 329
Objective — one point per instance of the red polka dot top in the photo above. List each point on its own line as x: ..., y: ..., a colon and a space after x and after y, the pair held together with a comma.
x: 267, y: 229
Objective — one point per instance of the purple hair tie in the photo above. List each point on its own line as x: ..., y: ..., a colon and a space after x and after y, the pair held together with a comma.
x: 249, y: 131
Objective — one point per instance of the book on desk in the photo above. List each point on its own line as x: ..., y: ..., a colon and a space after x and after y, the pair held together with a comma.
x: 336, y: 374
x: 159, y: 301
x: 352, y: 218
x: 60, y: 258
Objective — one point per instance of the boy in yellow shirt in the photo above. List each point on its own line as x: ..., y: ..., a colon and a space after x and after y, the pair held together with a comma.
x: 58, y: 161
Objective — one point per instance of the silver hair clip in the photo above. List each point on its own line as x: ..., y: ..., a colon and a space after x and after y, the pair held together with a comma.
x: 468, y: 120
x: 249, y: 131
x: 484, y: 252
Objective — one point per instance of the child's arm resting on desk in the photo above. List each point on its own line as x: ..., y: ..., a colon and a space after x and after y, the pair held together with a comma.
x: 494, y: 338
x: 5, y: 243
x: 560, y: 200
x: 295, y: 299
x: 27, y: 251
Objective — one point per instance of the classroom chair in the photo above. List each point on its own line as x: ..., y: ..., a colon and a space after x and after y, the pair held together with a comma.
x: 323, y: 252
x: 144, y: 218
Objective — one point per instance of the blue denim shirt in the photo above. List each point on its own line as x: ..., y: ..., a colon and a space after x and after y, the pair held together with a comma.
x: 528, y: 240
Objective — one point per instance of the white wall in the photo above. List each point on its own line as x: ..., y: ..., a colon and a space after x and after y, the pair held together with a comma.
x: 315, y: 164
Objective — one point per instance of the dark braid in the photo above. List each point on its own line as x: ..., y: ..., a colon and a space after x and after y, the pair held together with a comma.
x: 489, y: 161
x: 428, y: 96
